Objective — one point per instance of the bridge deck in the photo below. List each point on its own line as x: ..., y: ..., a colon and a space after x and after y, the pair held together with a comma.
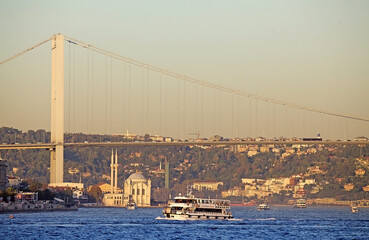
x: 167, y: 144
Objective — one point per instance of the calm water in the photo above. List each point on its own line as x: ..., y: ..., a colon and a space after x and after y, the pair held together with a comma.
x: 109, y: 223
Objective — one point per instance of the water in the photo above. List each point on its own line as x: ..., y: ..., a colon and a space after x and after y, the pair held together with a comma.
x: 119, y: 223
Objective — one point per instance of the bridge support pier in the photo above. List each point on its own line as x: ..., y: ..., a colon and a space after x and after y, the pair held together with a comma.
x: 57, y: 109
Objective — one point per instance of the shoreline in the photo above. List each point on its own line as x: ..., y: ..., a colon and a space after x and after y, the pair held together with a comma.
x: 14, y: 211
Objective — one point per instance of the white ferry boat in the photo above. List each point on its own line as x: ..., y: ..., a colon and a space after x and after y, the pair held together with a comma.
x: 131, y: 206
x: 354, y: 209
x: 264, y: 206
x: 300, y: 203
x: 190, y: 207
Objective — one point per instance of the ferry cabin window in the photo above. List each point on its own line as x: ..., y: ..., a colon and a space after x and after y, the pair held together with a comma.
x: 143, y: 191
x: 138, y: 191
x: 133, y: 192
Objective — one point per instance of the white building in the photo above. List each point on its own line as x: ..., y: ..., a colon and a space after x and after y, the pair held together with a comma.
x: 137, y: 189
x: 13, y: 181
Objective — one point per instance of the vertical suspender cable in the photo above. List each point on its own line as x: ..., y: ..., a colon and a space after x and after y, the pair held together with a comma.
x: 179, y: 88
x: 69, y: 73
x: 202, y: 108
x: 286, y: 130
x: 321, y: 123
x: 232, y: 117
x: 111, y: 95
x: 220, y: 112
x: 238, y: 115
x: 166, y: 104
x: 160, y: 100
x: 142, y: 102
x: 92, y: 90
x: 184, y: 110
x: 196, y: 106
x: 106, y: 95
x: 88, y: 89
x: 250, y: 119
x: 129, y: 96
x: 147, y: 100
x: 214, y: 113
x: 274, y: 122
x: 267, y: 119
x: 256, y: 118
x: 124, y: 97
x: 303, y: 121
x: 346, y: 134
x: 74, y: 86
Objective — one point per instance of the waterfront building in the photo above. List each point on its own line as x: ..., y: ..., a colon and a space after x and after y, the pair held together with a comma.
x: 27, y: 196
x: 137, y: 189
x: 106, y: 188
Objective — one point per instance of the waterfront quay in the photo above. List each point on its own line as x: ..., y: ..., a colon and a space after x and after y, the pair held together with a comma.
x: 16, y: 207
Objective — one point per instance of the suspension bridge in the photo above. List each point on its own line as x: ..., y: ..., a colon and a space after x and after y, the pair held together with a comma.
x: 143, y: 98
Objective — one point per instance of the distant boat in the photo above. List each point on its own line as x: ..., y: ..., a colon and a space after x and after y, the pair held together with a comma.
x: 263, y: 206
x: 354, y: 209
x: 300, y: 203
x: 131, y: 206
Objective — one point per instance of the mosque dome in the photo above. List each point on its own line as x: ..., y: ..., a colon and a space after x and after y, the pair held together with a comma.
x: 137, y: 176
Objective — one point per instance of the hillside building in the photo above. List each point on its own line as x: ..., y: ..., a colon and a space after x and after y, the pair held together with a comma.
x: 212, y: 186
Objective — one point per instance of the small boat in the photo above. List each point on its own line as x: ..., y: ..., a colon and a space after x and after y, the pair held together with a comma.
x: 354, y: 209
x: 263, y: 206
x: 131, y: 206
x: 300, y: 203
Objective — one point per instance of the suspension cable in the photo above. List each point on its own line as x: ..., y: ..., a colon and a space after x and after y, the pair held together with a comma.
x: 25, y: 51
x: 211, y: 85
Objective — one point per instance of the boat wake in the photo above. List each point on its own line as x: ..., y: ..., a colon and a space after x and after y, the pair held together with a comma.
x: 261, y: 219
x: 176, y: 219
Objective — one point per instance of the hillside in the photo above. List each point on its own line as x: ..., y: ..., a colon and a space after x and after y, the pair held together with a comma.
x: 92, y: 165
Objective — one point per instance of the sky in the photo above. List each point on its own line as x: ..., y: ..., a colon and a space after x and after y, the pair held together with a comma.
x: 311, y: 53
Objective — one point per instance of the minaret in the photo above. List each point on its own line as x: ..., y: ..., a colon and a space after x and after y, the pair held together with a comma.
x: 111, y: 171
x: 116, y: 171
x: 167, y: 183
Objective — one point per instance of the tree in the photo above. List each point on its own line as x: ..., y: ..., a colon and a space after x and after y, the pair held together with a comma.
x: 10, y: 192
x: 147, y: 138
x: 34, y: 185
x: 46, y: 195
x: 96, y: 193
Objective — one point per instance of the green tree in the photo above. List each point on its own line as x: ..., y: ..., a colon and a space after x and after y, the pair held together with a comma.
x: 96, y: 193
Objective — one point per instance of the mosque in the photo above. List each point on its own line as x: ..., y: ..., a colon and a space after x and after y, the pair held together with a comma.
x: 136, y: 188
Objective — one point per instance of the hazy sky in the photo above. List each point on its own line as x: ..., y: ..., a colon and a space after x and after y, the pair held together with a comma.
x: 313, y: 53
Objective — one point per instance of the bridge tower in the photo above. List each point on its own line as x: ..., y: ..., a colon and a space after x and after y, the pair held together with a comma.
x: 57, y: 109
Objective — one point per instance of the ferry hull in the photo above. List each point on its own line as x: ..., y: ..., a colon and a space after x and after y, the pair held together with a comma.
x: 197, y: 217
